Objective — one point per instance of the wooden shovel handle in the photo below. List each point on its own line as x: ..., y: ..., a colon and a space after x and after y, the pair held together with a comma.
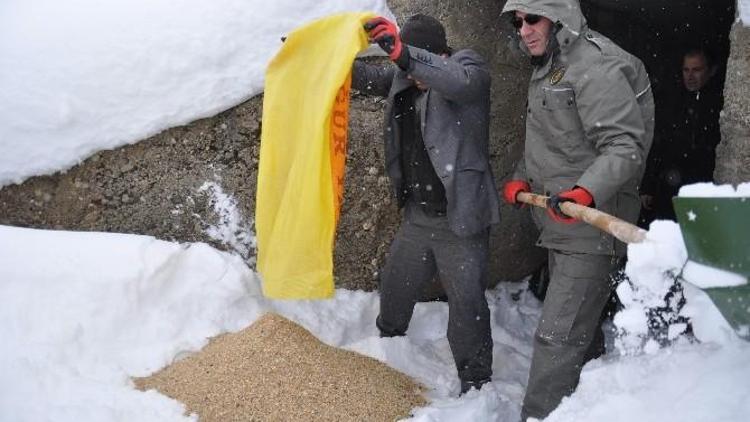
x: 620, y: 229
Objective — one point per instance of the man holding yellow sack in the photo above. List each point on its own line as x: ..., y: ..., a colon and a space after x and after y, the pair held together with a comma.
x: 436, y: 155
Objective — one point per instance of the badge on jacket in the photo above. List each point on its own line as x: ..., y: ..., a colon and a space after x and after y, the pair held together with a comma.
x: 557, y: 75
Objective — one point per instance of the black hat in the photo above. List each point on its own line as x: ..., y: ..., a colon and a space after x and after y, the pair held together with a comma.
x: 425, y: 32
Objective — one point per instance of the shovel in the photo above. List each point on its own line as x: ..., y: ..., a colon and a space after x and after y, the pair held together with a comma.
x: 620, y: 229
x: 716, y: 232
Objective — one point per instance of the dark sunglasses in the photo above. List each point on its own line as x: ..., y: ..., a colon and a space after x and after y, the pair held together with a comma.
x: 530, y: 19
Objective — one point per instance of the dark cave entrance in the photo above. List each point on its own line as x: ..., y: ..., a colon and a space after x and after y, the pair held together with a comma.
x: 660, y: 33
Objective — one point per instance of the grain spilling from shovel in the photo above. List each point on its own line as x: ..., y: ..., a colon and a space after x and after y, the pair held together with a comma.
x: 276, y: 370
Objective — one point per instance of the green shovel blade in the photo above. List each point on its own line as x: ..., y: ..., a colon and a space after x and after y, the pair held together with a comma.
x: 717, y: 233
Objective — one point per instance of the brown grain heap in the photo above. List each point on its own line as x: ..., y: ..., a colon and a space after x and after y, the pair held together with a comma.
x: 275, y: 370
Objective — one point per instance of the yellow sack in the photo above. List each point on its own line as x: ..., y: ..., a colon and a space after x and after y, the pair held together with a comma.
x: 302, y: 156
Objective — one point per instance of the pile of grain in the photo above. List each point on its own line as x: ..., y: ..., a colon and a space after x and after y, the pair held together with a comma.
x: 277, y: 370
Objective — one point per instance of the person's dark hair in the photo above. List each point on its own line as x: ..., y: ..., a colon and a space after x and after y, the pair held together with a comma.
x: 700, y: 51
x: 425, y: 32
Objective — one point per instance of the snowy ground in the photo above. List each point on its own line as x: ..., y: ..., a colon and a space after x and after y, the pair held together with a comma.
x: 81, y: 313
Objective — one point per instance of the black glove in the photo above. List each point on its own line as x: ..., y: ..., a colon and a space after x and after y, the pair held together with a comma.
x: 578, y: 195
x: 385, y: 33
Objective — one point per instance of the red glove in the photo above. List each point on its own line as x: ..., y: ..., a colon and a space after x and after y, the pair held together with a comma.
x: 385, y: 33
x: 578, y: 195
x: 512, y: 188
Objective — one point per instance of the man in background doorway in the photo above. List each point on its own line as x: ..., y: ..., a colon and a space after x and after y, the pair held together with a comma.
x: 686, y: 139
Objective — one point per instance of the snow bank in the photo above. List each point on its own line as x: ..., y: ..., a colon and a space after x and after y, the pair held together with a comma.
x: 80, y: 76
x: 743, y: 11
x: 82, y: 312
x: 696, y: 383
x: 709, y: 190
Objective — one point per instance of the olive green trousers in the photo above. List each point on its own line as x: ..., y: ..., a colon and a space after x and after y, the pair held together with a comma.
x: 571, y: 321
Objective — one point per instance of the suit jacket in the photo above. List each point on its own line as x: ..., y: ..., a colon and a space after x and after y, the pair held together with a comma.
x: 455, y: 129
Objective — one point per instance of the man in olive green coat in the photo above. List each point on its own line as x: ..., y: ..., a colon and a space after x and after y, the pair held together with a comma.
x: 589, y: 127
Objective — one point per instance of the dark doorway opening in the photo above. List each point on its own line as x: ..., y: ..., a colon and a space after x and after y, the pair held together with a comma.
x: 660, y: 32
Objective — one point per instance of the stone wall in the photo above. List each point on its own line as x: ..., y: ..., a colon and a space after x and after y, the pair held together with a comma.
x: 733, y: 152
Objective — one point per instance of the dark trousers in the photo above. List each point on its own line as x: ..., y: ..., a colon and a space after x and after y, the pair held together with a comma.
x: 423, y: 247
x: 569, y: 328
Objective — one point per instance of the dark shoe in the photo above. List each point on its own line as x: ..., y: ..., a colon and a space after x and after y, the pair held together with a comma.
x: 387, y: 332
x: 384, y: 334
x: 468, y: 385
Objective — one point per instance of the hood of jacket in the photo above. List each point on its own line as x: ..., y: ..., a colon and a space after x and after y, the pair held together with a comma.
x: 566, y: 16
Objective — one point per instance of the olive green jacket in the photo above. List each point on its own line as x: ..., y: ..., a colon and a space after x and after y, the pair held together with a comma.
x: 589, y: 123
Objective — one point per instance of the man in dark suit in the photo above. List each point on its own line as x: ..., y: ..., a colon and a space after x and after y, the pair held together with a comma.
x: 436, y: 152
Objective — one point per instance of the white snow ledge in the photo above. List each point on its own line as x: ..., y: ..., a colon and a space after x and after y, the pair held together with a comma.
x: 743, y: 11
